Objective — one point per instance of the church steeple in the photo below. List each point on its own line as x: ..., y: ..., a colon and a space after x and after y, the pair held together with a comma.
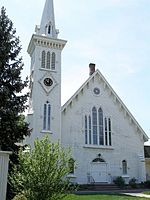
x: 47, y: 26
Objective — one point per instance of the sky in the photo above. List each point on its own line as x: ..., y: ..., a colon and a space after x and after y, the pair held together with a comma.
x: 113, y: 34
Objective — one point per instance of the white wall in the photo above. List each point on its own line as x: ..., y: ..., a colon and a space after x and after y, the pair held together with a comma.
x: 127, y: 142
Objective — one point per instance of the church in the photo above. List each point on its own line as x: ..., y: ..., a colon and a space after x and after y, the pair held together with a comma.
x: 105, y: 139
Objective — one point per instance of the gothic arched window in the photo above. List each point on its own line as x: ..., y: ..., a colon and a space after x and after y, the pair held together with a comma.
x: 43, y: 59
x: 101, y: 133
x: 106, y: 137
x: 53, y: 61
x: 109, y: 126
x: 86, y: 131
x: 94, y: 118
x: 90, y: 131
x: 48, y: 60
x: 124, y: 167
x: 47, y: 117
x: 49, y: 29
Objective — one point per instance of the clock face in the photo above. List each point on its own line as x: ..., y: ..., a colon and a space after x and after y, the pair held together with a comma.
x: 48, y: 81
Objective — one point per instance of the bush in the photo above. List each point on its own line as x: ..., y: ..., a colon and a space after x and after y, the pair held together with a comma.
x: 132, y: 183
x: 20, y: 197
x: 41, y: 173
x: 119, y: 181
x: 147, y: 184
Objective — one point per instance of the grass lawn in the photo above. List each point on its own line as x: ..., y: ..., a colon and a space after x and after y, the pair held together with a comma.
x: 147, y: 192
x: 102, y: 197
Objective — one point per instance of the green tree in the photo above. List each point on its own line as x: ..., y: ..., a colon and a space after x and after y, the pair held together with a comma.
x: 41, y: 173
x: 13, y: 128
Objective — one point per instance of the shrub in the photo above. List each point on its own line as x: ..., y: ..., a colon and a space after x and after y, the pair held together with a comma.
x: 20, y: 197
x: 41, y: 173
x: 132, y: 183
x: 147, y: 184
x: 119, y: 181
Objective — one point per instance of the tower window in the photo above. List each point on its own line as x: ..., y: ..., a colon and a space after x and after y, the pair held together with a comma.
x: 49, y: 29
x: 43, y: 59
x: 48, y: 60
x: 53, y: 61
x: 47, y: 117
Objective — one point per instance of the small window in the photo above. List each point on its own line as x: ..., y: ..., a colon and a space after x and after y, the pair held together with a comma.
x: 53, y: 61
x: 43, y: 59
x: 124, y: 167
x: 49, y: 29
x: 71, y: 165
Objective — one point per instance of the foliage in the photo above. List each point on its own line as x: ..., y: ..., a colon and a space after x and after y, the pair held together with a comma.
x: 119, y: 181
x: 147, y: 184
x: 41, y: 173
x: 13, y: 128
x: 132, y: 183
x: 20, y: 197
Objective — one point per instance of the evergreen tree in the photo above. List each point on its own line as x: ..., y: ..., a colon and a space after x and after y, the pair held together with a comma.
x: 13, y: 128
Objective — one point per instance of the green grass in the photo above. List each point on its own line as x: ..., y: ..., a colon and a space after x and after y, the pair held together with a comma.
x: 102, y: 197
x: 146, y: 192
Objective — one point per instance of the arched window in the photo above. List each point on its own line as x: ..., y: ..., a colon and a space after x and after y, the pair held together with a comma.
x: 47, y: 117
x: 49, y: 29
x: 48, y: 60
x: 53, y: 61
x: 90, y: 131
x: 106, y: 137
x: 109, y: 126
x: 71, y: 165
x: 124, y: 167
x: 94, y: 118
x: 101, y: 134
x: 43, y: 59
x: 86, y: 131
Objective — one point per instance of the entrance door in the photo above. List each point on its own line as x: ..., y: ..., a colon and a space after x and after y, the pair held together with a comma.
x: 99, y: 172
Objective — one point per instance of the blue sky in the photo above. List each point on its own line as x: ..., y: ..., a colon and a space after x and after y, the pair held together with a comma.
x: 113, y: 34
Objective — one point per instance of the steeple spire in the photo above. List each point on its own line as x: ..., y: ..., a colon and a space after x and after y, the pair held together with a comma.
x: 47, y: 26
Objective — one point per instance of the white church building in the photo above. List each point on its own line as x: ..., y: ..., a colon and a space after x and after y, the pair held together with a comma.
x: 106, y: 140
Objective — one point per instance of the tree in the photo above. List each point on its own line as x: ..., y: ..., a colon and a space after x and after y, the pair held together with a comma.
x: 13, y: 128
x: 41, y: 173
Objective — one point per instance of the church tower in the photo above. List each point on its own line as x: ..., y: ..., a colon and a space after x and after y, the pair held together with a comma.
x: 45, y: 49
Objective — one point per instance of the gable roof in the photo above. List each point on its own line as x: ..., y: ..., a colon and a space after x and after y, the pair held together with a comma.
x: 117, y: 99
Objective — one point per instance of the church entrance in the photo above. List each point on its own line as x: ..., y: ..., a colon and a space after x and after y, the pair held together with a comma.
x: 99, y: 171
